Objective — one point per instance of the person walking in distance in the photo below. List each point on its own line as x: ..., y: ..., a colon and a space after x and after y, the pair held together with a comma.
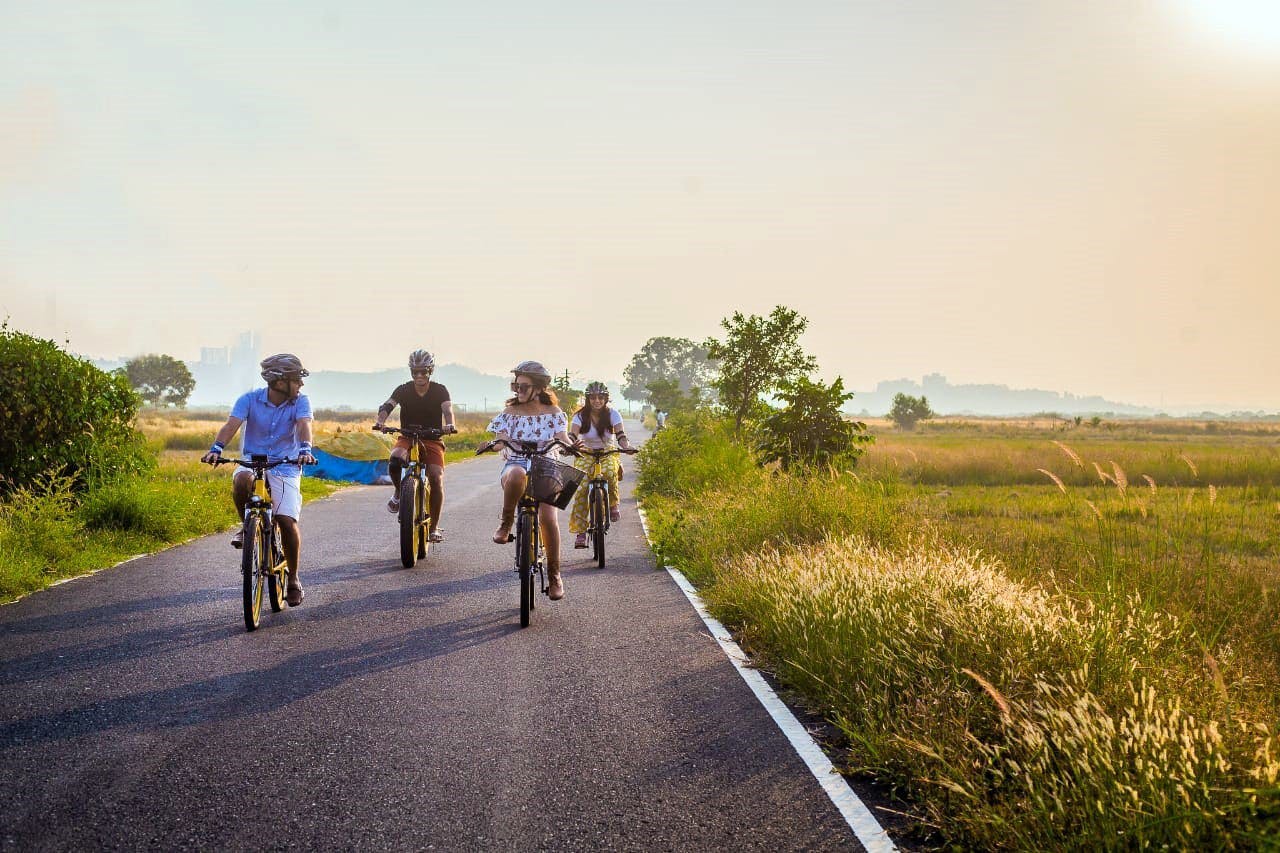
x: 277, y: 424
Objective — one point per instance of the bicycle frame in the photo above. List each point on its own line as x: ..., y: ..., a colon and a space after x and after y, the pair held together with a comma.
x: 263, y: 565
x: 415, y: 496
x: 530, y: 557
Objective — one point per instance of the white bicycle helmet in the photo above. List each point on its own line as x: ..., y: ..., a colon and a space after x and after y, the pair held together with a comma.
x: 532, y: 369
x: 420, y: 359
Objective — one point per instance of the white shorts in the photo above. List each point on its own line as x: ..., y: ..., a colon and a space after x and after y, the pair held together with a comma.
x: 286, y: 493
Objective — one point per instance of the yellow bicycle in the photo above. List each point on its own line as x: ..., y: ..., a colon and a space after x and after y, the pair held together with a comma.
x: 262, y: 563
x: 415, y: 497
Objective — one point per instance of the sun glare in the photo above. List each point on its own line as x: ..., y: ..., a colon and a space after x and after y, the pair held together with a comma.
x: 1251, y: 26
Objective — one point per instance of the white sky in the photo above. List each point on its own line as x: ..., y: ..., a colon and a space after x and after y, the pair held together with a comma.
x: 1080, y: 196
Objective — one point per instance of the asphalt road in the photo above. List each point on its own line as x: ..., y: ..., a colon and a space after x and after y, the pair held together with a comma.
x: 395, y: 709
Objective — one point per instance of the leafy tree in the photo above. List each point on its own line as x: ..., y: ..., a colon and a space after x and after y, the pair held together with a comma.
x: 665, y: 396
x: 160, y: 379
x: 757, y: 355
x: 810, y: 430
x: 570, y: 398
x: 907, y: 411
x: 61, y: 413
x: 675, y: 359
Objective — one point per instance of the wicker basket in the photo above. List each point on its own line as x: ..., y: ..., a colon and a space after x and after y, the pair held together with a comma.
x: 552, y: 482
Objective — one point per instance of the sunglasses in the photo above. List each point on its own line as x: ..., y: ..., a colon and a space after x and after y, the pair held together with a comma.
x: 420, y: 372
x: 521, y: 386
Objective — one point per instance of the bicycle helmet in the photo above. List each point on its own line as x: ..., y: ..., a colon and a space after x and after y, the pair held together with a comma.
x: 283, y: 365
x: 598, y: 388
x: 534, y: 370
x: 420, y: 359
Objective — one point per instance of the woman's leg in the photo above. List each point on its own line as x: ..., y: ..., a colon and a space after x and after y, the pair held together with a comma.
x: 513, y: 480
x: 549, y: 524
x: 578, y: 515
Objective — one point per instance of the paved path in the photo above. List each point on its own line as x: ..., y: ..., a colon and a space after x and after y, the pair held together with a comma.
x: 395, y: 709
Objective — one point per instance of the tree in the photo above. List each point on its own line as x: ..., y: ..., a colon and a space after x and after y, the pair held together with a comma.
x: 810, y: 430
x: 757, y: 355
x: 665, y: 396
x: 160, y: 379
x: 676, y: 359
x: 907, y: 411
x: 61, y: 413
x: 569, y: 397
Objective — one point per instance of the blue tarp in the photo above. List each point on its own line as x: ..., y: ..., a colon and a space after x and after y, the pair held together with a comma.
x: 332, y: 467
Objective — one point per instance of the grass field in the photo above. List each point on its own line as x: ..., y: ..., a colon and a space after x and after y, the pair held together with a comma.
x: 48, y: 533
x: 1038, y: 659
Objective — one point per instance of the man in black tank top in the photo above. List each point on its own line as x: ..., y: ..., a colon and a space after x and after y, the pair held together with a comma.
x: 423, y: 404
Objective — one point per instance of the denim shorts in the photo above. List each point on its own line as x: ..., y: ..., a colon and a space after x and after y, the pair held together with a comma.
x: 521, y: 462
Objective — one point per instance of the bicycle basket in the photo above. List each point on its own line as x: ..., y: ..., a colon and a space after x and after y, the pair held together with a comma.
x: 553, y: 483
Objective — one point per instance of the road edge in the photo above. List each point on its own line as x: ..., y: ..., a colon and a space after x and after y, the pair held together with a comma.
x: 861, y: 821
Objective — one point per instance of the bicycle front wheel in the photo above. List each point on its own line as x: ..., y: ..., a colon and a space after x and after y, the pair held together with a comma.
x: 253, y: 555
x: 524, y: 564
x: 597, y: 525
x: 408, y: 522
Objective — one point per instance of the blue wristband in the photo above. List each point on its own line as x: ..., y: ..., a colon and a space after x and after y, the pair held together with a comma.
x: 304, y: 447
x: 216, y: 448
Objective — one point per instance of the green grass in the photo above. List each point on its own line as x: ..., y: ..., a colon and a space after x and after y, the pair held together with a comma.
x: 1033, y: 667
x: 49, y: 533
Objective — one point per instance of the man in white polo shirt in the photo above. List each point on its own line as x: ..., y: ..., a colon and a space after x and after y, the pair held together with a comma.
x: 277, y: 424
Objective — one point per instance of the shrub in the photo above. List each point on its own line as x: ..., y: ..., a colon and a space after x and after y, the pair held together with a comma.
x: 907, y: 411
x: 63, y: 414
x: 811, y: 430
x: 132, y: 506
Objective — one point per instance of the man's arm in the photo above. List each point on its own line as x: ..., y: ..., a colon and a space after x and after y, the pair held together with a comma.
x: 446, y: 412
x: 304, y: 439
x: 385, y: 410
x: 220, y: 440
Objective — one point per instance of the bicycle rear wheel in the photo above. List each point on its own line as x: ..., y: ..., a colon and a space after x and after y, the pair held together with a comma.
x: 524, y: 563
x: 408, y: 522
x: 276, y: 579
x: 253, y: 553
x: 424, y: 519
x: 597, y: 525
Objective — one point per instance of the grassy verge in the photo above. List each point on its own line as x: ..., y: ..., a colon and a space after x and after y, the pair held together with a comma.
x: 1034, y: 666
x: 47, y: 533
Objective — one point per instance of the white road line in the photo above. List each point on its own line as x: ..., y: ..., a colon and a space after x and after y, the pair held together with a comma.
x: 864, y: 824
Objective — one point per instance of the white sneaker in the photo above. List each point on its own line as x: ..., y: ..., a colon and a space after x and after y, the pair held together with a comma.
x: 393, y: 505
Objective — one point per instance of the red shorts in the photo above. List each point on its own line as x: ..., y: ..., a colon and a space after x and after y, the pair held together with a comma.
x: 429, y: 452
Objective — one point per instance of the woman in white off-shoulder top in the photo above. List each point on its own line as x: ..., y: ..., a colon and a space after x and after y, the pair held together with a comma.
x: 533, y: 414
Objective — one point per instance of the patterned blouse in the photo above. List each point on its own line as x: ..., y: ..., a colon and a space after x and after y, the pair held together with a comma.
x: 540, y: 428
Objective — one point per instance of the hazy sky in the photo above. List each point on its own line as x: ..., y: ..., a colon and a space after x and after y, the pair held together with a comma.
x: 1080, y: 196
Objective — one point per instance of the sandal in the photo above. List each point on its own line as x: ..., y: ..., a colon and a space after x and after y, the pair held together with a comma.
x: 580, y: 541
x: 294, y: 593
x: 436, y: 535
x: 614, y: 515
x: 237, y: 541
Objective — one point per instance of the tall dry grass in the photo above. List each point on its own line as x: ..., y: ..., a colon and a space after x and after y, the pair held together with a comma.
x: 1070, y: 663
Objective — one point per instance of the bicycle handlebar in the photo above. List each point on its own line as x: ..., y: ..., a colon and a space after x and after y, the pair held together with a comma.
x: 600, y: 454
x: 430, y: 433
x: 256, y: 464
x: 526, y: 448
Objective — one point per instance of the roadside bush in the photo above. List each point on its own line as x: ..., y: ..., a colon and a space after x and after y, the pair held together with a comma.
x: 62, y: 414
x: 810, y: 430
x: 135, y: 506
